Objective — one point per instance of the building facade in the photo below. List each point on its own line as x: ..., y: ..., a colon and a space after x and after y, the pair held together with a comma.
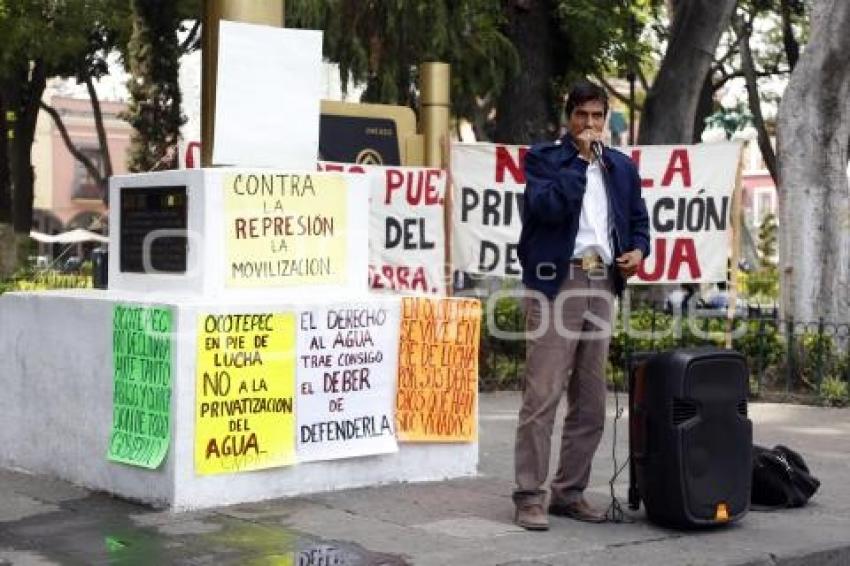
x: 66, y: 195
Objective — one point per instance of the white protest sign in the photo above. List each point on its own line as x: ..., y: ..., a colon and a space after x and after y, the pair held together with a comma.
x: 346, y: 379
x: 267, y: 96
x: 406, y: 226
x: 687, y: 190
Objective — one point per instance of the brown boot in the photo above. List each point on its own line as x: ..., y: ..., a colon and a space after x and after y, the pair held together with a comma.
x: 580, y: 510
x: 530, y: 516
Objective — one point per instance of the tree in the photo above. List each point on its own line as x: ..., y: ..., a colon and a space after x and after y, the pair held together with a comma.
x: 514, y: 56
x: 8, y: 240
x: 108, y: 32
x: 558, y: 42
x: 791, y: 21
x: 154, y: 109
x: 381, y: 45
x: 730, y: 120
x: 39, y: 38
x: 672, y: 101
x: 767, y: 240
x: 763, y: 283
x: 814, y: 197
x: 527, y: 109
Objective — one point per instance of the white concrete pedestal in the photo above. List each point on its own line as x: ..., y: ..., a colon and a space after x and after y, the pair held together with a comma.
x: 56, y: 389
x: 56, y: 348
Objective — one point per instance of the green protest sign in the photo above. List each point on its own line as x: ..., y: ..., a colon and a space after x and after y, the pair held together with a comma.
x: 141, y: 417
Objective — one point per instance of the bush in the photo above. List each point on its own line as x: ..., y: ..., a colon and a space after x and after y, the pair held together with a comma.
x: 86, y: 268
x: 501, y: 362
x: 652, y: 331
x: 834, y: 392
x: 761, y: 285
x: 28, y: 280
x: 815, y: 354
x: 764, y: 347
x: 817, y: 362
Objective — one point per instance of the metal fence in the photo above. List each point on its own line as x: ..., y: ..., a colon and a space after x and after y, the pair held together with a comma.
x: 808, y: 361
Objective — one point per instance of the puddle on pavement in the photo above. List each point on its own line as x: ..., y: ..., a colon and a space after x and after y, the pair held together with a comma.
x: 98, y: 530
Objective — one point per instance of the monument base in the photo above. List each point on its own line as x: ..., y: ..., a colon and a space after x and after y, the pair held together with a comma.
x: 56, y: 408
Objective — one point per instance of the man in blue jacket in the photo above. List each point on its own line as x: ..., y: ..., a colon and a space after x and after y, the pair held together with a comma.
x: 585, y: 231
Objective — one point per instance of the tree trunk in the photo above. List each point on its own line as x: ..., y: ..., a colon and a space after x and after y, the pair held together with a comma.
x: 8, y: 247
x: 749, y: 70
x: 789, y: 42
x: 69, y: 144
x: 102, y: 140
x: 22, y: 93
x: 527, y: 111
x: 672, y: 101
x: 154, y: 106
x: 705, y: 106
x: 5, y: 181
x: 814, y: 197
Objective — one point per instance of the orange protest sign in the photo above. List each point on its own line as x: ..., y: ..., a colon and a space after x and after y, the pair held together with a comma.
x: 436, y: 400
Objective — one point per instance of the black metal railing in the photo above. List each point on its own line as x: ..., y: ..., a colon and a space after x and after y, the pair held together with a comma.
x: 807, y: 361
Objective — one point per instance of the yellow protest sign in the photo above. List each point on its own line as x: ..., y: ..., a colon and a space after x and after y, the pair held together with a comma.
x: 285, y: 229
x: 436, y: 399
x: 244, y: 391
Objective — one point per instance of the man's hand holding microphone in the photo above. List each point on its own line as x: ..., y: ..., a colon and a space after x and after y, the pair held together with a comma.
x: 590, y: 144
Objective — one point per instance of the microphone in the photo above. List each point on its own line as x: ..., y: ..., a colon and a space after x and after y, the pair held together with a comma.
x: 596, y: 149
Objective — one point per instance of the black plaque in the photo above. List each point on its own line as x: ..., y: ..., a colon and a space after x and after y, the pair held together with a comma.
x: 358, y: 139
x: 145, y: 210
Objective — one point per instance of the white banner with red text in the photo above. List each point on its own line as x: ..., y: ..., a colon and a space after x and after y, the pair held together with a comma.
x: 406, y: 226
x: 687, y: 190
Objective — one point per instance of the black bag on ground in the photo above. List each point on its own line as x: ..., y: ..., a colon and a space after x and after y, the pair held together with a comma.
x: 780, y: 478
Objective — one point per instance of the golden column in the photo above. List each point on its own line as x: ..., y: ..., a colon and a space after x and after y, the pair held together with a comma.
x: 435, y: 112
x: 266, y: 12
x: 434, y: 117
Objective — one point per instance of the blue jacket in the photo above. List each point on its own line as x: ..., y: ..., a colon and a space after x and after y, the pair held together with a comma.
x: 555, y: 183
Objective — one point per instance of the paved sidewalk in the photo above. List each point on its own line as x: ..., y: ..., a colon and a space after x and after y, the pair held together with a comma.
x: 459, y: 522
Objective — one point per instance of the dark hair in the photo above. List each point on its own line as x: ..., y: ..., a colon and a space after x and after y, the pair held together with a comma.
x: 584, y: 91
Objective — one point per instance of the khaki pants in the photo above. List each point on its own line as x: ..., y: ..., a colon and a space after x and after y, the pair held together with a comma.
x: 572, y: 357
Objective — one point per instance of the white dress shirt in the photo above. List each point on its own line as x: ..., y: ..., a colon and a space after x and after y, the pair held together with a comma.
x: 593, y: 221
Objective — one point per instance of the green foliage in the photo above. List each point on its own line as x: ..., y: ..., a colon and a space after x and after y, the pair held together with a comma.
x: 382, y: 44
x: 761, y: 285
x: 501, y: 362
x: 815, y: 353
x: 65, y: 36
x: 762, y: 343
x: 43, y: 39
x: 86, y: 268
x: 154, y: 109
x: 767, y: 239
x: 834, y: 392
x: 731, y: 120
x: 603, y: 35
x: 29, y: 280
x: 765, y: 349
x: 651, y: 330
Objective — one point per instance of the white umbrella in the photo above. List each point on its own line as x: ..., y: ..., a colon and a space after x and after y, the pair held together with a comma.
x: 42, y: 237
x: 79, y: 235
x: 70, y: 237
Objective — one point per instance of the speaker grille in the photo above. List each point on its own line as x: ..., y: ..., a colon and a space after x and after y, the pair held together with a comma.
x: 742, y: 407
x: 683, y: 411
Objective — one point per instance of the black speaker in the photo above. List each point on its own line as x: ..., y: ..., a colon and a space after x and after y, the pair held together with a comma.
x: 690, y: 440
